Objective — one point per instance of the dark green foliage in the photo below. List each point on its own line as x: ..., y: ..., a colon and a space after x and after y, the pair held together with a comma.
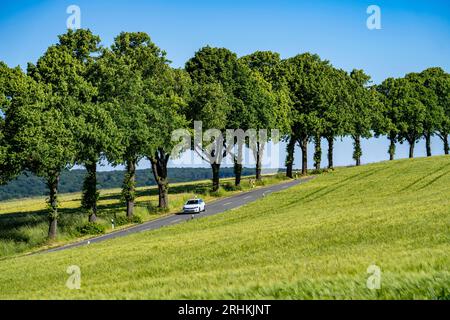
x: 91, y: 228
x: 123, y: 220
x: 129, y: 187
x: 362, y: 106
x: 214, y: 65
x: 47, y: 122
x: 436, y: 96
x: 90, y: 194
x: 412, y: 114
x: 4, y: 101
x: 214, y: 73
x: 388, y: 120
x: 129, y: 83
x: 136, y: 219
x: 317, y: 152
x: 265, y: 100
x: 306, y: 80
x: 41, y: 125
x: 169, y: 95
x: 217, y: 193
x: 231, y: 187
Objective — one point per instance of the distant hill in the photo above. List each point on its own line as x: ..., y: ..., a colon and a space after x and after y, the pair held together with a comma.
x: 28, y: 185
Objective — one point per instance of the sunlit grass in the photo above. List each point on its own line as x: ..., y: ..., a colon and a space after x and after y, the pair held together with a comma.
x: 315, y: 240
x: 23, y: 223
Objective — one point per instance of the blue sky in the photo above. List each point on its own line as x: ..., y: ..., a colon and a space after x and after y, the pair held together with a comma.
x: 414, y: 35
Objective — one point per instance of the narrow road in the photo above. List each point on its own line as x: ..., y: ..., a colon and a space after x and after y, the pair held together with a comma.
x: 212, y: 208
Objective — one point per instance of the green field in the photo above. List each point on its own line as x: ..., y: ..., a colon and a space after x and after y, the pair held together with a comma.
x: 315, y: 240
x: 24, y: 222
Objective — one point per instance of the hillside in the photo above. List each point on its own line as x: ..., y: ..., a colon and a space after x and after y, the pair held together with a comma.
x: 315, y: 240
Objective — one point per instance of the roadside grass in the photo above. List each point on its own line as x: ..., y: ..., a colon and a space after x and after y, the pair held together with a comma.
x: 24, y: 224
x: 313, y: 241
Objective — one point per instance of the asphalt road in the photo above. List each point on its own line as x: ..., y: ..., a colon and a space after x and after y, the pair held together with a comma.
x: 212, y: 208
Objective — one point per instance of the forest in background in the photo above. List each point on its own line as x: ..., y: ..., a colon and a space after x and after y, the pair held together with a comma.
x: 29, y: 185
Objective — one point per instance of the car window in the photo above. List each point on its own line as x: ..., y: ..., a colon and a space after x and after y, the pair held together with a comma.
x: 192, y: 202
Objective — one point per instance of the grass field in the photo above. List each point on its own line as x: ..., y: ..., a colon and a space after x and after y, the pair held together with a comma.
x: 315, y: 240
x: 24, y: 223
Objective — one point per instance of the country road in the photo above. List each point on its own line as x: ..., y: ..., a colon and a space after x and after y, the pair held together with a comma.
x: 212, y: 208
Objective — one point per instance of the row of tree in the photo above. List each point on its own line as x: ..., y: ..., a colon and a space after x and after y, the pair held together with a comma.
x: 82, y: 103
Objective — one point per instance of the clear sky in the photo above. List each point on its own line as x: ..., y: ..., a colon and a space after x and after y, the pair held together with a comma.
x: 414, y: 35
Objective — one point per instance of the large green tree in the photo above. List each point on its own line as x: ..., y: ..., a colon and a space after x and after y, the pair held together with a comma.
x: 15, y: 92
x: 444, y: 97
x: 290, y: 151
x: 266, y: 98
x: 169, y: 93
x: 214, y: 72
x: 127, y: 73
x: 97, y: 134
x: 389, y: 120
x: 4, y: 101
x: 255, y: 112
x: 210, y: 105
x: 304, y: 76
x: 335, y: 101
x: 412, y: 114
x: 97, y: 138
x: 362, y: 106
x: 63, y: 70
x: 437, y: 100
x: 40, y: 129
x: 429, y: 99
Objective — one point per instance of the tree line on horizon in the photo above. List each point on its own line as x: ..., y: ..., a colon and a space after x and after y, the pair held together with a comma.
x: 71, y: 180
x: 82, y: 103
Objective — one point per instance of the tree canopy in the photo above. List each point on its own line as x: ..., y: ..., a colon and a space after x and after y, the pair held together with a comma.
x: 305, y: 74
x: 128, y: 74
x: 81, y: 104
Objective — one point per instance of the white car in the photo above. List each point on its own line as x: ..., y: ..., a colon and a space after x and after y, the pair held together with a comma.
x: 194, y: 206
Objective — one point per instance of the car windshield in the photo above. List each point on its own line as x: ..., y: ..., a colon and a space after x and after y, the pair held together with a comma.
x: 192, y: 202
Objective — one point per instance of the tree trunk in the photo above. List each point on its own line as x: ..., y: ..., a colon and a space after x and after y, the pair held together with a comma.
x: 317, y: 152
x: 411, y: 148
x: 93, y: 217
x: 290, y: 156
x: 330, y: 140
x: 237, y: 173
x: 391, y: 148
x: 90, y: 193
x: 357, y: 152
x: 428, y: 143
x: 446, y: 146
x: 129, y: 188
x: 304, y: 146
x: 238, y: 165
x: 258, y: 161
x: 163, y: 196
x: 52, y: 230
x: 130, y: 208
x: 52, y: 184
x: 215, y: 179
x: 159, y: 169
